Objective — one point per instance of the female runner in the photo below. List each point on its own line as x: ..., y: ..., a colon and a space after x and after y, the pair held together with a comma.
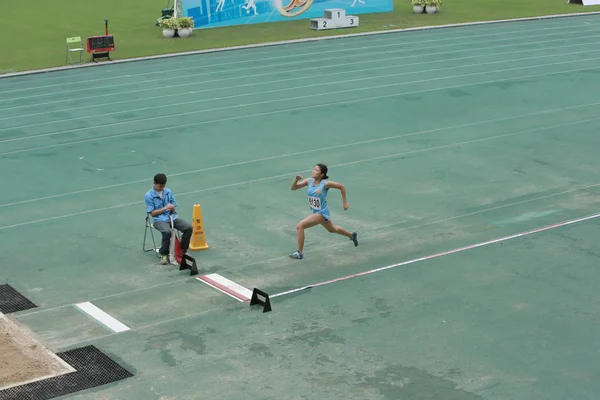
x: 318, y: 185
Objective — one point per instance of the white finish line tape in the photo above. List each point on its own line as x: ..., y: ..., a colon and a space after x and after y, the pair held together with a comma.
x: 102, y: 317
x: 226, y: 286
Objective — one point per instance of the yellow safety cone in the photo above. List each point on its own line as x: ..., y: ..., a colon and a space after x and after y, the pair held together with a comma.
x: 198, y: 241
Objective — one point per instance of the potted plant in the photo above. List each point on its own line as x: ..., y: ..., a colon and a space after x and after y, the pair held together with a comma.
x: 169, y: 26
x: 433, y: 6
x: 418, y: 6
x: 185, y: 26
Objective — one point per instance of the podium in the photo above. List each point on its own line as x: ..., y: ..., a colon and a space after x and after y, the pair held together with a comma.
x: 334, y: 18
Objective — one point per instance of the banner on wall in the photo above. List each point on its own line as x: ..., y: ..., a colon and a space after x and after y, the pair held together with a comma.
x: 219, y: 13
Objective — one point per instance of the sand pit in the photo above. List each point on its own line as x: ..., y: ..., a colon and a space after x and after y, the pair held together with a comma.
x: 23, y: 359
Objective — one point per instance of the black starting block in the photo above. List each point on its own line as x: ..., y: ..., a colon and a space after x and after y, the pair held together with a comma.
x: 262, y: 298
x: 188, y: 262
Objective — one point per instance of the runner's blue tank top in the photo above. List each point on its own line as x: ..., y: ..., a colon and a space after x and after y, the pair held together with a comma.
x: 317, y: 198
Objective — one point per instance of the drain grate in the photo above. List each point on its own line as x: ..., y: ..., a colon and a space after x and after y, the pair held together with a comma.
x: 94, y: 369
x: 12, y: 301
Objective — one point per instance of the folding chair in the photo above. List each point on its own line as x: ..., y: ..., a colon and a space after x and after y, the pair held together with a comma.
x: 74, y: 44
x: 150, y: 225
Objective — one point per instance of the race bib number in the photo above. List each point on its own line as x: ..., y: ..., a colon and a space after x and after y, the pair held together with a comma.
x: 314, y: 203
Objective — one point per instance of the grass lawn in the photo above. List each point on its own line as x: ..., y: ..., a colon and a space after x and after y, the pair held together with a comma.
x: 42, y: 43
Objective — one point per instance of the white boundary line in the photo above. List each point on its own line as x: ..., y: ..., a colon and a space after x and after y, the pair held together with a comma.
x: 102, y: 317
x: 305, y: 40
x: 416, y: 260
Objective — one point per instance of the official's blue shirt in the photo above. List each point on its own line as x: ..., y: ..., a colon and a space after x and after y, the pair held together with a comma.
x: 154, y: 202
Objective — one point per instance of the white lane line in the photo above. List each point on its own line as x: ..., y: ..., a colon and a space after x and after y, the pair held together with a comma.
x: 220, y: 65
x: 287, y: 89
x: 336, y: 67
x: 171, y: 127
x: 246, y: 69
x: 292, y: 173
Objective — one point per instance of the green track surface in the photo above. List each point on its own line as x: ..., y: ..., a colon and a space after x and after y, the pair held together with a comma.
x: 443, y: 138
